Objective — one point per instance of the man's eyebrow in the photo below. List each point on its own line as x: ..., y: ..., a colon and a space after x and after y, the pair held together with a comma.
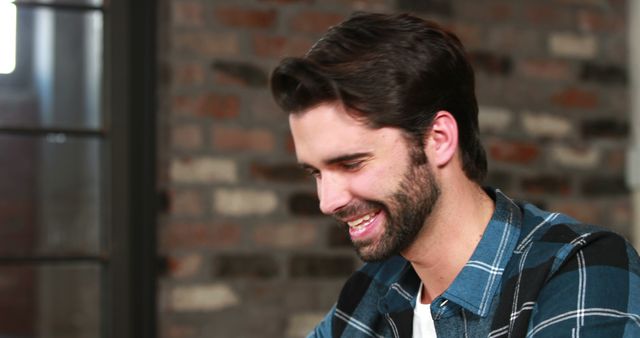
x: 347, y: 157
x: 337, y: 159
x: 305, y: 166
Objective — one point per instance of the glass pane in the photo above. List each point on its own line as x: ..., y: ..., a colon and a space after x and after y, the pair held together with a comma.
x: 58, y: 77
x: 7, y: 37
x: 66, y: 2
x: 50, y: 301
x: 50, y: 195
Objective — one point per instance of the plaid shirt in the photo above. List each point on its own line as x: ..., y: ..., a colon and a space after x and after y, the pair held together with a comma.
x: 533, y: 274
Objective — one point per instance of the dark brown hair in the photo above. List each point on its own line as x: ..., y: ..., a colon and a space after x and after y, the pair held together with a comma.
x: 390, y: 71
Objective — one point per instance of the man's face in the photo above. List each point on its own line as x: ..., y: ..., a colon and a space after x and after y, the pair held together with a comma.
x: 370, y: 179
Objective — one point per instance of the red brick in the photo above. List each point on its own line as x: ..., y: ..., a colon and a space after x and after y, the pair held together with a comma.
x: 576, y: 98
x: 491, y: 62
x: 594, y: 3
x: 604, y: 185
x: 279, y: 172
x: 187, y: 13
x: 619, y: 216
x: 500, y: 11
x: 549, y: 184
x: 181, y: 235
x: 285, y: 1
x: 312, y: 265
x: 182, y: 104
x: 184, y: 266
x: 265, y: 45
x: 618, y: 5
x: 186, y: 203
x: 180, y: 331
x: 186, y: 136
x: 304, y: 203
x: 548, y: 69
x: 240, y: 73
x: 514, y: 152
x: 595, y: 21
x: 206, y: 44
x: 245, y: 266
x: 540, y: 14
x: 220, y: 106
x: 211, y: 104
x: 338, y: 237
x: 506, y: 39
x: 315, y: 22
x: 187, y: 74
x: 584, y: 211
x: 472, y: 36
x: 247, y: 18
x: 240, y: 139
x: 263, y: 108
x: 280, y: 46
x: 225, y: 79
x: 616, y: 160
x: 361, y: 5
x: 286, y: 235
x: 485, y: 11
x: 381, y: 6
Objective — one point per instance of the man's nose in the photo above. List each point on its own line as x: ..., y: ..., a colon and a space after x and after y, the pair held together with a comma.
x: 333, y: 194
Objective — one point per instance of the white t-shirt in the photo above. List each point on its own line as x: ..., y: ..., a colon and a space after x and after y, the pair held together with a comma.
x: 423, y: 326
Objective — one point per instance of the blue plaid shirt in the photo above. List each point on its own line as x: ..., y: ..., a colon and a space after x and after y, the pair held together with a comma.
x: 533, y: 274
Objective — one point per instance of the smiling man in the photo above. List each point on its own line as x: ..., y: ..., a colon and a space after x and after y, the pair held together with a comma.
x: 383, y: 114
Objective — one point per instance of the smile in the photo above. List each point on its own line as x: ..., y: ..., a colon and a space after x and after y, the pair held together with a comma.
x: 362, y: 221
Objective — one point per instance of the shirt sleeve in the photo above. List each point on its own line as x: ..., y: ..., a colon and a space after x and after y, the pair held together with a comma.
x: 593, y: 292
x: 323, y: 329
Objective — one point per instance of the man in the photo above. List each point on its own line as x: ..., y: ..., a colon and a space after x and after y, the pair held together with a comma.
x: 383, y: 114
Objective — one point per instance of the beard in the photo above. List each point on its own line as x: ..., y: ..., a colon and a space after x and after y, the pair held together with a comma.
x: 406, y: 211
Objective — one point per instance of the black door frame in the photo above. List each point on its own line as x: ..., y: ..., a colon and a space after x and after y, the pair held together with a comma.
x: 131, y: 97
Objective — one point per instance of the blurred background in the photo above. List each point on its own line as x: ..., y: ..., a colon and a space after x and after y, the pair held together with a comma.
x: 148, y: 183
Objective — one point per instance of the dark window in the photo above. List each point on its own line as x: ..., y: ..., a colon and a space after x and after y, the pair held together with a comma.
x: 71, y: 263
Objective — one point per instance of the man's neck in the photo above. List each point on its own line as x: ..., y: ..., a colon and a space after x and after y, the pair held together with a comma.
x: 449, y: 237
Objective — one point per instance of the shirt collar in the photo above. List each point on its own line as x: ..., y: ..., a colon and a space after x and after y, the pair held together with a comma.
x: 476, y: 284
x: 402, y: 287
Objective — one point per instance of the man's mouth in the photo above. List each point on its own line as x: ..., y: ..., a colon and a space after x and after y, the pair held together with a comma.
x: 362, y: 222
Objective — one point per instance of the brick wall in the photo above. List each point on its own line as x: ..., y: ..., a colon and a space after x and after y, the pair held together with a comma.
x: 248, y: 253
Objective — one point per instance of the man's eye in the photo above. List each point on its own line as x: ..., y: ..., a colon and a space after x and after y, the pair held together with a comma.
x: 351, y: 165
x: 313, y: 172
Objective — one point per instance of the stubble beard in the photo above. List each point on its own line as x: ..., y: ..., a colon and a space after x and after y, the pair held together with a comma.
x: 406, y: 212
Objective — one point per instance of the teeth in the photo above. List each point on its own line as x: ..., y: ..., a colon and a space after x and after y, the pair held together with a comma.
x: 358, y: 222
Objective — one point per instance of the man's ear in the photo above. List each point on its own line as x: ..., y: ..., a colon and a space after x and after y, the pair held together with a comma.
x: 441, y: 140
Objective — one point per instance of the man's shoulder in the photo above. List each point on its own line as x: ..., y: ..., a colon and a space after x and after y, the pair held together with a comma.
x: 548, y: 270
x: 555, y: 229
x: 550, y: 236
